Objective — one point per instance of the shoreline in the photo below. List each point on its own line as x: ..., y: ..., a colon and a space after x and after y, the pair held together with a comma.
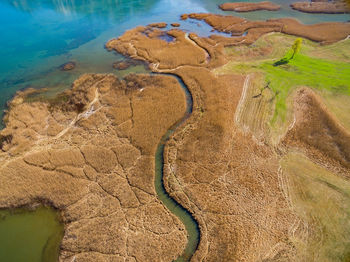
x: 210, y: 121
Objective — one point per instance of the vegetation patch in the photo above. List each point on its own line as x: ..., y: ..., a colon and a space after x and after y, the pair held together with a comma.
x: 297, y: 69
x: 304, y: 70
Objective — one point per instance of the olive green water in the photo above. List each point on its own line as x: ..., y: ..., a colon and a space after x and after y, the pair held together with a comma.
x: 193, y: 233
x: 30, y: 236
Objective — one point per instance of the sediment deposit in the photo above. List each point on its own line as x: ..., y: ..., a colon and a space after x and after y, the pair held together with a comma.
x: 334, y: 7
x: 249, y: 7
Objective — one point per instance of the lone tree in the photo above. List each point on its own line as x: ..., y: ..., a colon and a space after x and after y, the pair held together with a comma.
x: 294, y: 49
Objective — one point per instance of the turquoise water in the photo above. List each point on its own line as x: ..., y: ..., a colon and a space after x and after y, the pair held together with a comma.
x: 38, y: 36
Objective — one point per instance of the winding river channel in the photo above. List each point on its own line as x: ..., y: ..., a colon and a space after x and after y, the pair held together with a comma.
x: 53, y: 32
x: 184, y: 215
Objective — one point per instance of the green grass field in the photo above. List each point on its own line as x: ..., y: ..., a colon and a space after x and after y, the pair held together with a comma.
x: 305, y: 71
x: 324, y: 68
x: 320, y: 197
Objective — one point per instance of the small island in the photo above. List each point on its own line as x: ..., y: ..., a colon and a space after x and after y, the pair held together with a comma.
x: 332, y: 7
x: 249, y: 7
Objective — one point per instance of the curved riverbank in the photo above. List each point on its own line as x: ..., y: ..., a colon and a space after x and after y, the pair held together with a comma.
x: 183, y: 214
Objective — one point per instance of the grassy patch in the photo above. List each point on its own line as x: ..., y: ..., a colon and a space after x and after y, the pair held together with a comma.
x: 325, y: 68
x: 305, y: 71
x: 340, y: 106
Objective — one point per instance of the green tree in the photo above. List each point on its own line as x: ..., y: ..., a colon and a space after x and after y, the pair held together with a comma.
x: 296, y: 47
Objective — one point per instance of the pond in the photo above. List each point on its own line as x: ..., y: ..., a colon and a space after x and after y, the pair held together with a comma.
x: 30, y: 235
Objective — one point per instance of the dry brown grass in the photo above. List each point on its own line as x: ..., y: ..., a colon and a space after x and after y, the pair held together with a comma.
x: 334, y: 7
x: 214, y: 168
x: 224, y: 177
x: 137, y: 44
x: 316, y: 32
x: 97, y: 167
x: 318, y: 132
x: 321, y: 199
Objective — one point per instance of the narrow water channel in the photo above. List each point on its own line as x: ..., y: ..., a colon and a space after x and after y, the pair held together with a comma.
x: 193, y: 233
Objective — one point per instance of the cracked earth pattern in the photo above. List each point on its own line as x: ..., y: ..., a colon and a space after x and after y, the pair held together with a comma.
x: 97, y: 167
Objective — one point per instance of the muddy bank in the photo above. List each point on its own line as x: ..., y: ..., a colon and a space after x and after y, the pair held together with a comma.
x: 249, y: 7
x: 334, y: 7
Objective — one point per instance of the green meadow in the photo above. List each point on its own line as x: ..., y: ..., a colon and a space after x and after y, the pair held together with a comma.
x: 304, y: 70
x: 324, y: 68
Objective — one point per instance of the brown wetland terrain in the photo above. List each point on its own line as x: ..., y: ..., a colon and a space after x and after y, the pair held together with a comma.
x: 265, y: 179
